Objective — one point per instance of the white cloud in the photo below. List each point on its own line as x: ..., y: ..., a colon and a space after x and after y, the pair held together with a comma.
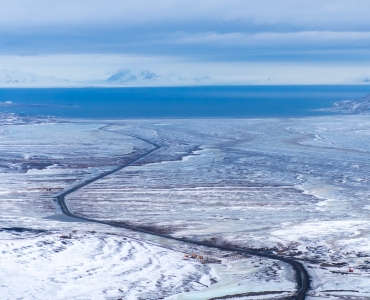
x: 328, y: 14
x: 328, y: 38
x: 229, y: 40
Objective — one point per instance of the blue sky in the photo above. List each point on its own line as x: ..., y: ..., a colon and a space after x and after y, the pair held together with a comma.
x: 233, y: 41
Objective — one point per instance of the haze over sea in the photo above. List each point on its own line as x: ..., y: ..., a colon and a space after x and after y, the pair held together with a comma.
x: 178, y: 102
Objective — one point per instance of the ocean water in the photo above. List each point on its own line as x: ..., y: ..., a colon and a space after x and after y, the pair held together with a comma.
x: 179, y: 102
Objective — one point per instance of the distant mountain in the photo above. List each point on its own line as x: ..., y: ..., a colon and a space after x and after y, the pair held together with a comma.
x: 175, y: 78
x: 146, y: 75
x: 363, y: 79
x: 149, y: 78
x: 16, y: 78
x: 122, y: 77
x: 360, y: 106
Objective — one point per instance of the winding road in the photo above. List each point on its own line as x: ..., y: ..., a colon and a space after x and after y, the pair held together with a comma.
x: 302, y: 277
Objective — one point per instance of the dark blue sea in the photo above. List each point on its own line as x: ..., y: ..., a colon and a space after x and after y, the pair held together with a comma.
x: 178, y: 102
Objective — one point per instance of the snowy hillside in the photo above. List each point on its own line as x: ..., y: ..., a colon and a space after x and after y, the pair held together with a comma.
x: 149, y: 78
x: 17, y: 78
x: 92, y: 266
x: 360, y: 106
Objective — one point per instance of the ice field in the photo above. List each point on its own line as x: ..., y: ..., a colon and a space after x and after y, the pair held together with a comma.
x: 297, y: 187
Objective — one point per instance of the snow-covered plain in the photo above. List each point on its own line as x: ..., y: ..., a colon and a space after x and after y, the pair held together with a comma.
x: 297, y: 187
x: 40, y: 157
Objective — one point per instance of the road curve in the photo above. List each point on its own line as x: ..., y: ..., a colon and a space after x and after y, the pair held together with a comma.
x: 302, y: 277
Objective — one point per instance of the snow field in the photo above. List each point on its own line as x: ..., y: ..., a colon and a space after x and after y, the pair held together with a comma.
x: 93, y: 266
x: 297, y: 187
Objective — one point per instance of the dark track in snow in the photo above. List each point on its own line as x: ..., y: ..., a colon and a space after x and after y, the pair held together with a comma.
x: 301, y: 274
